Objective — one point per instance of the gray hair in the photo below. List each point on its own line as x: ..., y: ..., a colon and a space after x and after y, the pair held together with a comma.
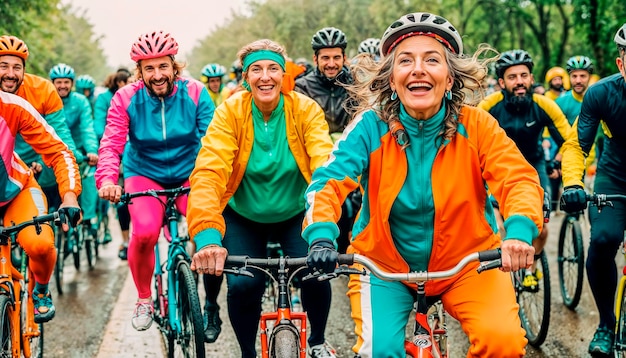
x: 372, y: 89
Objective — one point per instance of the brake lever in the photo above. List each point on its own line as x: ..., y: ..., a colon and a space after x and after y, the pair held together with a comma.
x: 239, y: 271
x: 489, y: 265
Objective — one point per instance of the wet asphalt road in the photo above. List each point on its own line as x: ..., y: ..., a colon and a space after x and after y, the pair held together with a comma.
x: 89, y: 298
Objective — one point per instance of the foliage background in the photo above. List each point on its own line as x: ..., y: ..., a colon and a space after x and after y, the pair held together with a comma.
x: 550, y: 30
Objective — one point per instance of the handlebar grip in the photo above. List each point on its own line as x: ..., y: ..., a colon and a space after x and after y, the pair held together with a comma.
x: 237, y: 260
x: 489, y: 255
x: 345, y: 259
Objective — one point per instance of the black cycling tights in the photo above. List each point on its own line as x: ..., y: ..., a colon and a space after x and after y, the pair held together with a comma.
x: 607, y: 234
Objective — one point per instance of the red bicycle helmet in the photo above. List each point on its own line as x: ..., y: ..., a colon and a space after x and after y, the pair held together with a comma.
x: 152, y: 45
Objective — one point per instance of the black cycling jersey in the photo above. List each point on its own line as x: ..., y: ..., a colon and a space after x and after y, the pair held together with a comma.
x: 524, y: 123
x: 329, y: 94
x: 605, y: 101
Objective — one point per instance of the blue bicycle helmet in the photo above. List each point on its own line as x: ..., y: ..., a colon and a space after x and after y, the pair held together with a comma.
x: 62, y: 71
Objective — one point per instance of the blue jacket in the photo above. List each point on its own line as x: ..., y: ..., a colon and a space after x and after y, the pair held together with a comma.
x: 163, y: 133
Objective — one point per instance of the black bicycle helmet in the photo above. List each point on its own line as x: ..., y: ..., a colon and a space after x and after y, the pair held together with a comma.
x: 329, y: 37
x: 579, y: 63
x: 421, y: 22
x: 512, y: 58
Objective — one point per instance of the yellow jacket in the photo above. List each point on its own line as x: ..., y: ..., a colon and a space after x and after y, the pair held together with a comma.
x: 226, y: 148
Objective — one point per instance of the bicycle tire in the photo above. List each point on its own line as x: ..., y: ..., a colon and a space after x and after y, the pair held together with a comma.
x: 6, y: 344
x: 571, y: 261
x: 76, y: 247
x: 58, y: 267
x: 619, y: 345
x: 89, y: 243
x: 534, y: 304
x: 190, y: 343
x: 284, y: 341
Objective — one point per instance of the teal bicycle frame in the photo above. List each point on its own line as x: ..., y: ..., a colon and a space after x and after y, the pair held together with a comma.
x: 177, y: 311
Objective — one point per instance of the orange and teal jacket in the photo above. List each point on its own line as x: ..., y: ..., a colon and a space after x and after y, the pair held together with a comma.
x: 425, y: 206
x: 220, y: 168
x: 19, y: 117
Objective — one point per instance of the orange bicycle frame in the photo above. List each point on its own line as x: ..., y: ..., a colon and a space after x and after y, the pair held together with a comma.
x: 298, y: 318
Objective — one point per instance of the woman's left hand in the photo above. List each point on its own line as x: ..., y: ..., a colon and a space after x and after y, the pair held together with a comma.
x: 516, y: 254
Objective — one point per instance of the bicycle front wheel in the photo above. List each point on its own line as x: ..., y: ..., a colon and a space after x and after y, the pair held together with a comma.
x: 6, y: 330
x: 571, y: 261
x: 76, y: 246
x: 58, y: 267
x: 284, y: 342
x: 90, y: 244
x: 534, y: 302
x: 190, y: 339
x: 620, y: 332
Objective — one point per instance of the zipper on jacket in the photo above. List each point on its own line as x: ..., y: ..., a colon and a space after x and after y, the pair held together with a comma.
x: 163, y: 119
x: 267, y: 139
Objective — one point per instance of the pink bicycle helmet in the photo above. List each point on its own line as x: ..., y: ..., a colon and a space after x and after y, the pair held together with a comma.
x: 152, y: 45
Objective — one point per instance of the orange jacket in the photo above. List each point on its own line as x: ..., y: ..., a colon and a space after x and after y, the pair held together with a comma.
x: 479, y: 155
x: 18, y: 116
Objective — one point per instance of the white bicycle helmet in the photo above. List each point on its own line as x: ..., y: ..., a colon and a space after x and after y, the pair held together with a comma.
x: 620, y: 36
x: 371, y: 46
x: 421, y: 22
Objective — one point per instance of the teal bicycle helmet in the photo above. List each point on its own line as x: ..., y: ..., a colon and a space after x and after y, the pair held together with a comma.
x: 213, y: 70
x: 579, y: 63
x: 62, y: 71
x: 84, y: 82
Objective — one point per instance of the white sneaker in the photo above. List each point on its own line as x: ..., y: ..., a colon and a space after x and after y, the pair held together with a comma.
x: 323, y: 350
x: 142, y: 316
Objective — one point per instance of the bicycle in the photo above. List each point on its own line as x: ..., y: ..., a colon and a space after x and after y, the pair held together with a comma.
x: 430, y: 335
x: 177, y: 309
x: 20, y: 336
x: 534, y: 301
x: 72, y: 242
x: 283, y: 331
x: 619, y: 344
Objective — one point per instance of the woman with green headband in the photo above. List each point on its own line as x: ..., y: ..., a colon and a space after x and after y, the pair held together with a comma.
x: 256, y: 161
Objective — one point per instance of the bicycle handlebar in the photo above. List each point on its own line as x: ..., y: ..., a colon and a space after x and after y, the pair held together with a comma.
x: 490, y: 258
x: 602, y: 200
x: 170, y: 193
x: 6, y: 231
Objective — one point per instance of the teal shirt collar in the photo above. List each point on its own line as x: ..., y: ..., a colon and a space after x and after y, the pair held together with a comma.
x: 257, y: 115
x: 431, y: 126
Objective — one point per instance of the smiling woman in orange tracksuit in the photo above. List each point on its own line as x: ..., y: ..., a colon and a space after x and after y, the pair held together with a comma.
x: 425, y: 205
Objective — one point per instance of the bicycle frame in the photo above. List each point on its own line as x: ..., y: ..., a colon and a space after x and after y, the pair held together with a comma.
x: 16, y: 284
x: 168, y: 316
x: 282, y: 317
x: 430, y: 335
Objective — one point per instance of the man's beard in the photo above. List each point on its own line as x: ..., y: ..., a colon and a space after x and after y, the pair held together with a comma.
x: 168, y: 91
x: 515, y: 103
x: 556, y: 88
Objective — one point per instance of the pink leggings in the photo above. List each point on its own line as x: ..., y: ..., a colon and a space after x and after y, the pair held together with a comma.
x: 147, y: 218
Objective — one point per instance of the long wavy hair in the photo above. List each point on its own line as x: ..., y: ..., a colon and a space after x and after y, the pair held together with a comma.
x: 372, y: 90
